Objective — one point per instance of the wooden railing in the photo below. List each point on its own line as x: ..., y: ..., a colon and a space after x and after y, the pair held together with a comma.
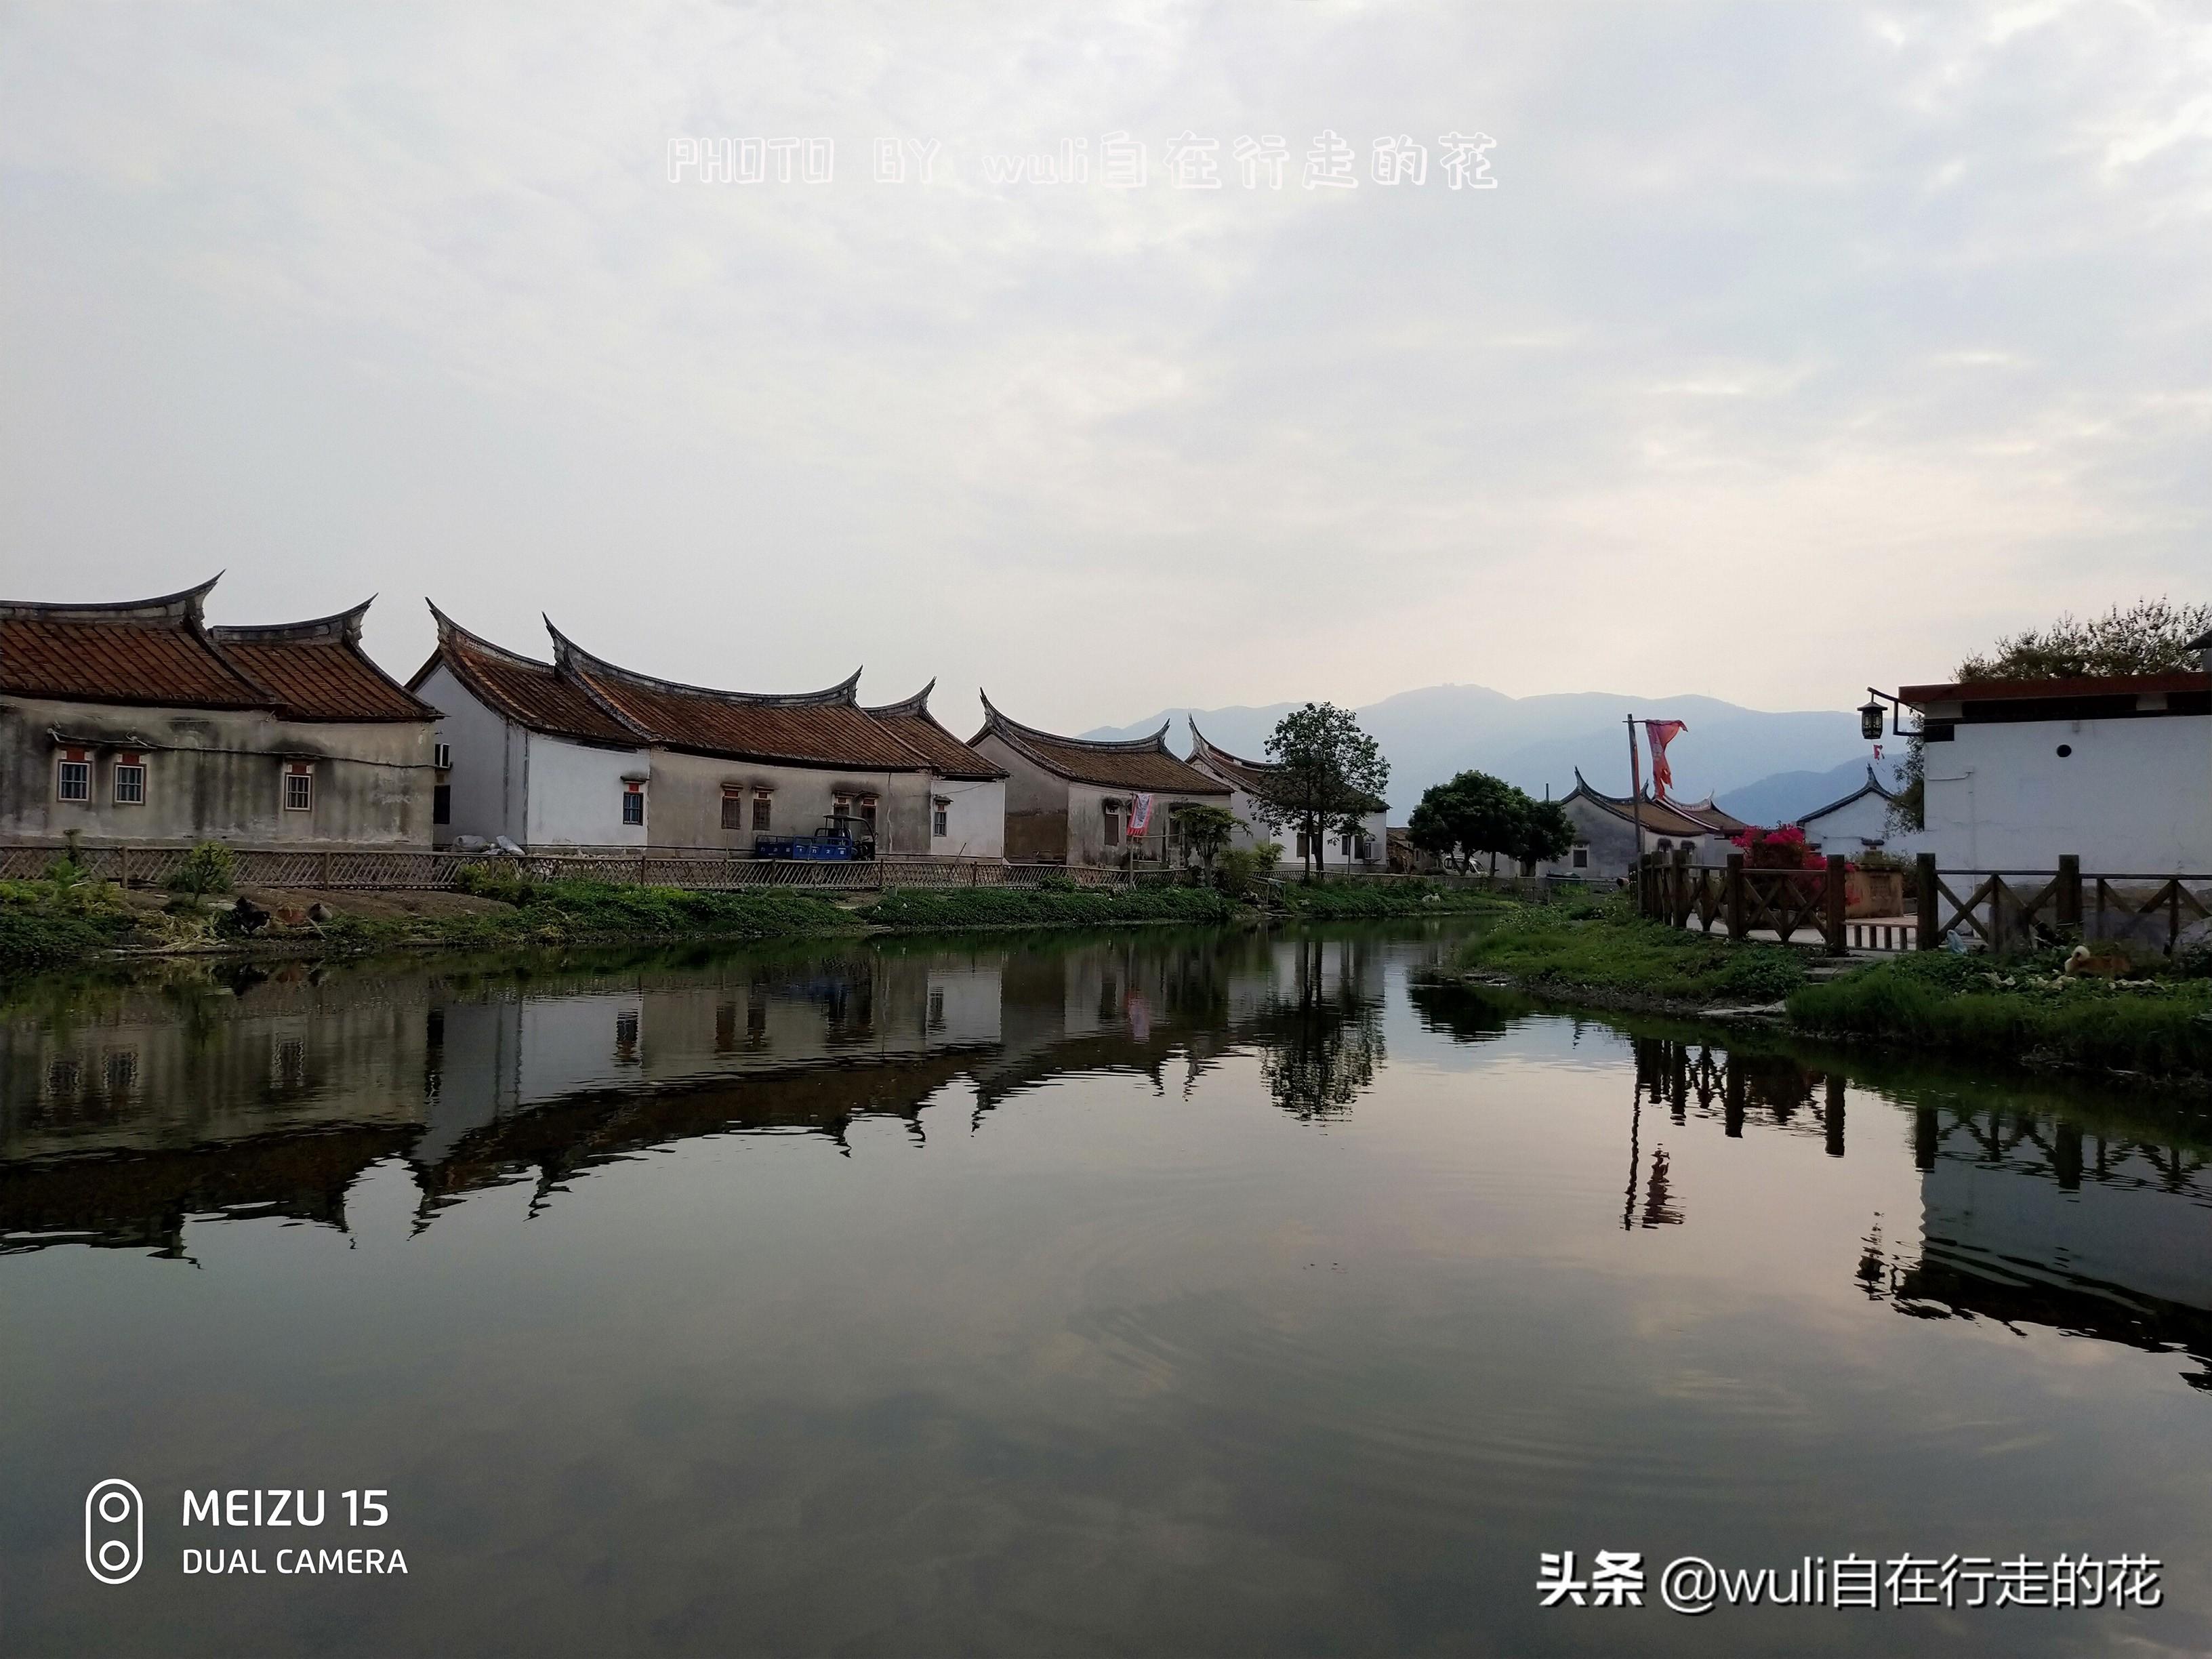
x: 2002, y: 911
x: 2013, y: 912
x: 399, y: 871
x: 1744, y: 900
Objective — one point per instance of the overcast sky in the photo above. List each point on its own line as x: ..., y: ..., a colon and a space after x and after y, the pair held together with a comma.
x: 1796, y: 347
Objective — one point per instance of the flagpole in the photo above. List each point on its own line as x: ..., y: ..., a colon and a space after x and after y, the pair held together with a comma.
x: 1636, y: 791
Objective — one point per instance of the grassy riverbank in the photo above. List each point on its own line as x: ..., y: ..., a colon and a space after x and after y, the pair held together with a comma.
x: 2019, y: 1009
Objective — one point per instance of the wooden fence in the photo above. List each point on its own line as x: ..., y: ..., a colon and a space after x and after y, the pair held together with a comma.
x: 2002, y: 911
x: 398, y: 870
x: 2017, y: 912
x: 1743, y: 900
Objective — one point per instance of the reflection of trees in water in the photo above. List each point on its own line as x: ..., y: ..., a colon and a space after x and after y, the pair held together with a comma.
x: 1465, y: 1013
x: 1320, y: 1047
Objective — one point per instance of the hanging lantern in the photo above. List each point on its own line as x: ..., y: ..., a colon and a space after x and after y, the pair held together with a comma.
x: 1871, y: 718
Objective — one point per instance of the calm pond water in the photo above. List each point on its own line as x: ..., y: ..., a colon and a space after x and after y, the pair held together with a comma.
x: 1159, y: 1293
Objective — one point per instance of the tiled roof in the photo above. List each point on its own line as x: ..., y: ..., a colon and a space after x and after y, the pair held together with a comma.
x: 913, y: 724
x: 2084, y: 685
x: 1872, y: 786
x: 531, y: 693
x: 1705, y: 812
x: 150, y: 651
x: 1660, y: 817
x: 1140, y: 763
x: 318, y: 671
x: 1250, y: 776
x: 825, y: 728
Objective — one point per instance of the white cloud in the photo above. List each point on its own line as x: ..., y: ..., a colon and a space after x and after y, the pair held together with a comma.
x: 401, y: 299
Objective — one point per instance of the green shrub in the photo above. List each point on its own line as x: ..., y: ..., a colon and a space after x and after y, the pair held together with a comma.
x: 1599, y: 947
x: 1349, y: 900
x: 1243, y: 872
x: 2023, y: 1007
x: 33, y: 940
x: 1045, y: 907
x: 208, y: 868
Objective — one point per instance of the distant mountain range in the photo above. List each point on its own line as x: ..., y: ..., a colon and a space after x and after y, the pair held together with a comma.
x: 1787, y: 796
x: 1732, y: 752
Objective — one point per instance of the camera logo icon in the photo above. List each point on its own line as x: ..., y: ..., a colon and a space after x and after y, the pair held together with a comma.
x: 114, y: 1531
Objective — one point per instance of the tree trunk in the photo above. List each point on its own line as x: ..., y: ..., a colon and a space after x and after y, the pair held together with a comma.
x: 1320, y: 850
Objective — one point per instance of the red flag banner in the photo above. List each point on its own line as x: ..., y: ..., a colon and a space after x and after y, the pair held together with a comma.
x: 1140, y: 815
x: 1659, y: 734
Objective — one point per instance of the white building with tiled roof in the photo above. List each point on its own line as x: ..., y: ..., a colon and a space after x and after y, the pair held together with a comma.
x: 1248, y: 783
x: 1078, y: 800
x: 579, y: 753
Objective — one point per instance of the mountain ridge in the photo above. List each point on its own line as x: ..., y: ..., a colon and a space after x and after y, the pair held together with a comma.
x: 1540, y: 742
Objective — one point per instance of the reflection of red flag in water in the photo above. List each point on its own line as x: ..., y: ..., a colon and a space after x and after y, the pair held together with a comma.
x: 1140, y: 1015
x: 1660, y: 734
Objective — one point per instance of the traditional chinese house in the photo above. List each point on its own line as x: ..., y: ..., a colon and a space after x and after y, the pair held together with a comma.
x: 1249, y: 781
x: 1083, y: 801
x: 1604, y: 849
x: 579, y: 753
x: 137, y: 723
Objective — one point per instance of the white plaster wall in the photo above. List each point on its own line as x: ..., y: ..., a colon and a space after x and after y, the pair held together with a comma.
x: 1853, y: 828
x: 574, y: 795
x: 976, y: 822
x: 486, y: 776
x: 2135, y: 797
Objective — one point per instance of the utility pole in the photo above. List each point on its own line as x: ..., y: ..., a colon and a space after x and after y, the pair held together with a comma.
x: 1636, y: 794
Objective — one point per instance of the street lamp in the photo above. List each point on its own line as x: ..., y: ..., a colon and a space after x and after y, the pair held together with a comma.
x: 1870, y: 714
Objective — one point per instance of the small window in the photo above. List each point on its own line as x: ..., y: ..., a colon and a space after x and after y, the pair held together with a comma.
x: 441, y: 756
x: 632, y: 805
x: 130, y: 781
x: 939, y: 822
x: 1305, y: 845
x: 733, y: 810
x: 1113, y: 826
x: 299, y: 790
x: 441, y: 803
x: 74, y: 781
x: 762, y: 812
x: 1581, y: 859
x: 868, y: 810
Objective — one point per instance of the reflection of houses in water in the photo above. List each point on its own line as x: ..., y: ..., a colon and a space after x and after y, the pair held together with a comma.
x: 134, y: 1114
x: 264, y: 1092
x: 513, y: 1052
x: 2028, y: 1219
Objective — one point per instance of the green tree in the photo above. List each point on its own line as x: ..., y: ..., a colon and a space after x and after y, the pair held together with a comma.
x: 1205, y: 830
x: 2151, y: 636
x: 1546, y: 832
x: 1472, y: 814
x: 1326, y: 773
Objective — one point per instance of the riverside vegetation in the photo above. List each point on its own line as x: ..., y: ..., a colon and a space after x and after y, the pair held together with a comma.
x: 66, y: 918
x: 2024, y: 1007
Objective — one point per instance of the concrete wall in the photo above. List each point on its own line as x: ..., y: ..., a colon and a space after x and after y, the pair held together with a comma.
x: 685, y: 808
x: 573, y: 795
x: 2133, y: 797
x: 974, y: 818
x: 215, y: 776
